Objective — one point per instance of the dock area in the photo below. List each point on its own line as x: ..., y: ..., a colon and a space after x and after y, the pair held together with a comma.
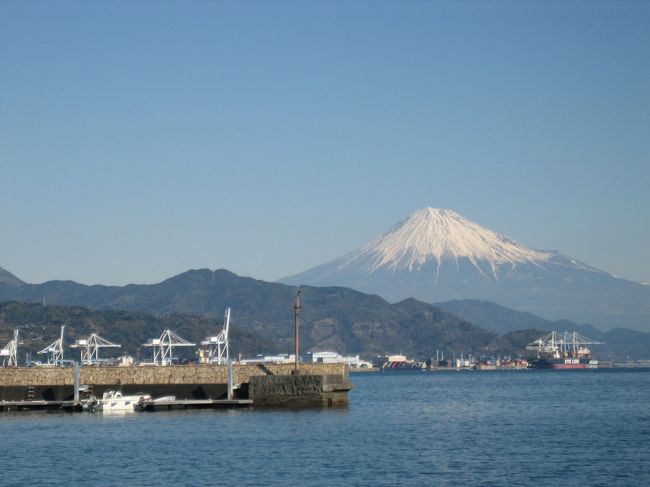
x: 70, y: 406
x: 151, y: 405
x: 181, y: 386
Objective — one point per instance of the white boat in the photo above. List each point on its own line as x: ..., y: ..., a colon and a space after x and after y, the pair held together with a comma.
x: 115, y: 401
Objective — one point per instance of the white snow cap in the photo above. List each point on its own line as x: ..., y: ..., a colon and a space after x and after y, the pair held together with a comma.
x: 438, y: 234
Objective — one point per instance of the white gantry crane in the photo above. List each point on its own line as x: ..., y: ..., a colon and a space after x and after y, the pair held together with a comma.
x: 90, y: 346
x: 563, y: 344
x: 163, y: 347
x: 54, y: 351
x: 218, y: 345
x: 9, y: 353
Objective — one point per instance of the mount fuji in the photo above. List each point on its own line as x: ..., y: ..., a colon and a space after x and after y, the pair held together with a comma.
x: 437, y: 255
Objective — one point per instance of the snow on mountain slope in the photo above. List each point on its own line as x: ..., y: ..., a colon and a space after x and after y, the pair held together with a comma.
x: 437, y: 255
x: 435, y: 234
x: 432, y: 242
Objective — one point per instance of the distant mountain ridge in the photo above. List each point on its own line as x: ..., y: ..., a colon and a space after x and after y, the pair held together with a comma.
x: 333, y: 318
x: 501, y: 320
x: 437, y: 255
x: 619, y: 343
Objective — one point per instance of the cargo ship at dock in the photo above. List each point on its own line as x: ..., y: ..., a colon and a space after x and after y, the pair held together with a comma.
x: 562, y: 351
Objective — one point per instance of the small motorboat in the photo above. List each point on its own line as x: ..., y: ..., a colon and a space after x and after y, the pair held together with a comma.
x: 115, y: 401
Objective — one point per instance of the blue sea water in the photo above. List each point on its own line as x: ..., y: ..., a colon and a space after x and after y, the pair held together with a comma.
x: 402, y: 428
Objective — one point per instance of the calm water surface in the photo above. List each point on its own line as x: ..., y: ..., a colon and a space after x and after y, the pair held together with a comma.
x: 402, y: 428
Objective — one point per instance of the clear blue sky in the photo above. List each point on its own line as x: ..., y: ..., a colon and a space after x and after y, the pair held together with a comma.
x: 141, y: 139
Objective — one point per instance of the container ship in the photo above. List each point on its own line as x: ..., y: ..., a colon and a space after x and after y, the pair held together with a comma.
x: 562, y: 351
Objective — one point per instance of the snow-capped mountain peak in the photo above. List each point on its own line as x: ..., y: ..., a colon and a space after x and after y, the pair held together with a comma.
x: 432, y: 234
x: 437, y: 255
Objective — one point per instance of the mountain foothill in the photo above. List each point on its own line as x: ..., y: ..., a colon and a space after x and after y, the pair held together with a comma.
x: 372, y: 301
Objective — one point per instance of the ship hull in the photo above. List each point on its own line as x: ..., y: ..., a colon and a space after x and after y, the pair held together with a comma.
x: 563, y: 363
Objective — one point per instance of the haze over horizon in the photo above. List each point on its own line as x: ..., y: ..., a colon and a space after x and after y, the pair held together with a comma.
x: 140, y: 140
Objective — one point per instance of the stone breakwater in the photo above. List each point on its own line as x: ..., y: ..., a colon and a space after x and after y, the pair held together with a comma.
x: 266, y: 385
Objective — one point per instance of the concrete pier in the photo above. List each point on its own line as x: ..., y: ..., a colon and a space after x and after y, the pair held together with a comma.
x: 266, y: 385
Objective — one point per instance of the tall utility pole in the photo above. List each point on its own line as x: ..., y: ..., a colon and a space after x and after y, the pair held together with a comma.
x: 296, y: 320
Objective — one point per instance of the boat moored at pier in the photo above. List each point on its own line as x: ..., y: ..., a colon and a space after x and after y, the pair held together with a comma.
x: 115, y: 401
